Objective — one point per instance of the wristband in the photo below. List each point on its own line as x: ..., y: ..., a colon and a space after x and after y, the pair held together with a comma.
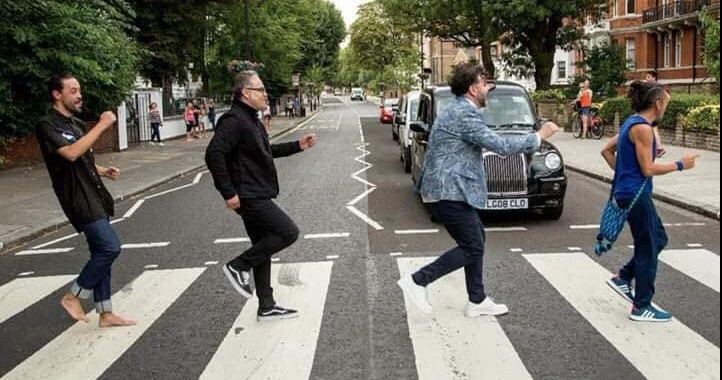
x: 680, y: 165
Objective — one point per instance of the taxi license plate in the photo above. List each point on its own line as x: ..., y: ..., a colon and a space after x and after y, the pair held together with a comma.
x: 507, y: 204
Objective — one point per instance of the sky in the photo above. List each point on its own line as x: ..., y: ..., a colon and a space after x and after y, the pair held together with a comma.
x: 348, y: 10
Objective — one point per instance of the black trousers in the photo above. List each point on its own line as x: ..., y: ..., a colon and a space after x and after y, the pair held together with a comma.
x: 270, y: 230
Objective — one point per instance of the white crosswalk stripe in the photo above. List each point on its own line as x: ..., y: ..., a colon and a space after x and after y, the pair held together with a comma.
x: 86, y: 351
x: 659, y: 351
x: 20, y: 293
x: 700, y: 264
x: 442, y: 344
x: 447, y: 345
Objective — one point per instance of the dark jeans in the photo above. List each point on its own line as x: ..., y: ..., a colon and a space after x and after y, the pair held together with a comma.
x: 464, y: 225
x: 104, y: 248
x: 650, y: 239
x: 270, y: 231
x: 155, y: 132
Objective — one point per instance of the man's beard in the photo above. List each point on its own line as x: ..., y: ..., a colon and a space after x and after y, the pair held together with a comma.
x: 73, y: 107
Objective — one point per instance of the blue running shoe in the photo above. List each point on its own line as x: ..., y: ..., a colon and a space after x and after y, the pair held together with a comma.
x: 649, y: 314
x: 624, y: 288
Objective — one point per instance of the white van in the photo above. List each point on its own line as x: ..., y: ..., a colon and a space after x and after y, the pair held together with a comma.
x: 357, y: 93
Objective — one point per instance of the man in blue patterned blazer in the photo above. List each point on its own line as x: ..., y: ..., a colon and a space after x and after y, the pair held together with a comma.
x: 453, y: 182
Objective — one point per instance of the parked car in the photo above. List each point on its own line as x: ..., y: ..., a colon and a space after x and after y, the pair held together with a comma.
x: 534, y: 181
x: 357, y: 93
x: 387, y: 111
x: 408, y: 106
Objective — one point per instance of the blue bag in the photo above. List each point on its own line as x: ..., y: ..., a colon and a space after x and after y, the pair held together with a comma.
x: 612, y: 221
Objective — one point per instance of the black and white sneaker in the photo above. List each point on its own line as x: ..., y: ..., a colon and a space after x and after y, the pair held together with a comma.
x: 240, y: 279
x: 276, y: 312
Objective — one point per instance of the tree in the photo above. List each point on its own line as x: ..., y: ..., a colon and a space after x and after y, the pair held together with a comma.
x: 320, y: 45
x: 710, y: 26
x: 378, y: 45
x: 468, y: 22
x: 86, y: 38
x: 607, y: 67
x: 534, y: 29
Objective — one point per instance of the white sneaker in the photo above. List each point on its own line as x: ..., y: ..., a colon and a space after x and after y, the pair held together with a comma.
x: 415, y: 293
x: 488, y: 307
x: 161, y: 144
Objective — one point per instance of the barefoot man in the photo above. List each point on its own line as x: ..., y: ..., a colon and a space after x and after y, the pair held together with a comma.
x: 82, y: 195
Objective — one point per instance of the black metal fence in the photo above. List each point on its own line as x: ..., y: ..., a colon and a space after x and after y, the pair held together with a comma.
x: 673, y: 9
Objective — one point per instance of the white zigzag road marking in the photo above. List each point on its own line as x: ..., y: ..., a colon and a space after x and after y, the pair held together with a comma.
x: 370, y: 187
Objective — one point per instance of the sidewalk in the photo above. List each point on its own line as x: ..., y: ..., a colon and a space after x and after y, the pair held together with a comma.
x: 697, y: 190
x: 29, y: 208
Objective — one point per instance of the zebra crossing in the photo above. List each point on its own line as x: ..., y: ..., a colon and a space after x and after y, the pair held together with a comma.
x: 446, y: 345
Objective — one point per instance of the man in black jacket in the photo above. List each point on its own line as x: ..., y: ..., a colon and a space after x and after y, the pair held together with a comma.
x: 240, y: 158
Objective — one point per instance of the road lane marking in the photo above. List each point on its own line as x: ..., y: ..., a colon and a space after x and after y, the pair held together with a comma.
x: 199, y: 176
x: 365, y: 218
x: 327, y: 235
x: 276, y: 349
x: 145, y: 245
x: 133, y: 209
x: 695, y: 245
x: 86, y: 349
x: 411, y: 232
x: 396, y: 254
x: 574, y: 248
x: 658, y: 350
x: 583, y: 226
x: 151, y: 266
x: 596, y: 226
x: 449, y: 343
x: 331, y: 257
x: 18, y: 294
x: 505, y: 229
x: 44, y: 251
x: 232, y: 240
x: 210, y: 263
x: 700, y: 264
x: 56, y: 241
x: 516, y: 250
x: 23, y: 274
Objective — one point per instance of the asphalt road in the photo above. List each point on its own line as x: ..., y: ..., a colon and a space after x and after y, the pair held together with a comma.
x: 358, y: 213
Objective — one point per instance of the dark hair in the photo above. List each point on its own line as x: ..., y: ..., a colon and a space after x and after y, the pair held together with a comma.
x: 465, y: 75
x: 643, y: 95
x: 55, y: 83
x: 243, y: 79
x: 653, y: 73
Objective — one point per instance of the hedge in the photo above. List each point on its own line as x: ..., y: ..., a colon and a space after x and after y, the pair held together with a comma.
x: 703, y: 119
x: 680, y: 105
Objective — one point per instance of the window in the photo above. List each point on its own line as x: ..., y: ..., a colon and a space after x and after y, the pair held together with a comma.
x: 631, y: 53
x: 615, y: 8
x: 678, y: 49
x: 493, y: 52
x: 630, y: 7
x: 562, y: 69
x: 666, y: 49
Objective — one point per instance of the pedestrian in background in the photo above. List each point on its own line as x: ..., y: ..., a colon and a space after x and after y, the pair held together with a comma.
x: 585, y: 102
x: 631, y: 154
x: 155, y: 123
x: 453, y: 182
x: 212, y: 114
x: 240, y: 159
x: 651, y: 76
x: 266, y: 115
x: 82, y: 195
x: 189, y: 118
x: 289, y: 108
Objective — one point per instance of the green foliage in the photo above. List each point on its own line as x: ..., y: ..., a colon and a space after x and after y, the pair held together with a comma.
x: 617, y: 105
x: 681, y: 105
x: 87, y: 39
x: 550, y: 94
x: 710, y: 26
x: 606, y: 65
x: 380, y: 47
x: 704, y: 119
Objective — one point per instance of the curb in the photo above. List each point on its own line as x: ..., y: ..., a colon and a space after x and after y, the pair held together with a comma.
x: 13, y: 243
x: 660, y: 195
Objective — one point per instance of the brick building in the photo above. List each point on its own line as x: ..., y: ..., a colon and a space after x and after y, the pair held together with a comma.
x: 662, y: 35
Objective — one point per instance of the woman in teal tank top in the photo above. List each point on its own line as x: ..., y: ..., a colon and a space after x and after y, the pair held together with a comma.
x: 634, y: 166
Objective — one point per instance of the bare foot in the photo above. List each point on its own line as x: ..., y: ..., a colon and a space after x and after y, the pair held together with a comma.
x: 111, y: 320
x: 72, y: 305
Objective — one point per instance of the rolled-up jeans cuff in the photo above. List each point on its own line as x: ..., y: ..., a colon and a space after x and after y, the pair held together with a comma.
x: 80, y: 292
x: 104, y: 306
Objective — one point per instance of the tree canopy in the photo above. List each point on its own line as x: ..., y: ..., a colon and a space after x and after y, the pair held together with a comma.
x: 86, y: 38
